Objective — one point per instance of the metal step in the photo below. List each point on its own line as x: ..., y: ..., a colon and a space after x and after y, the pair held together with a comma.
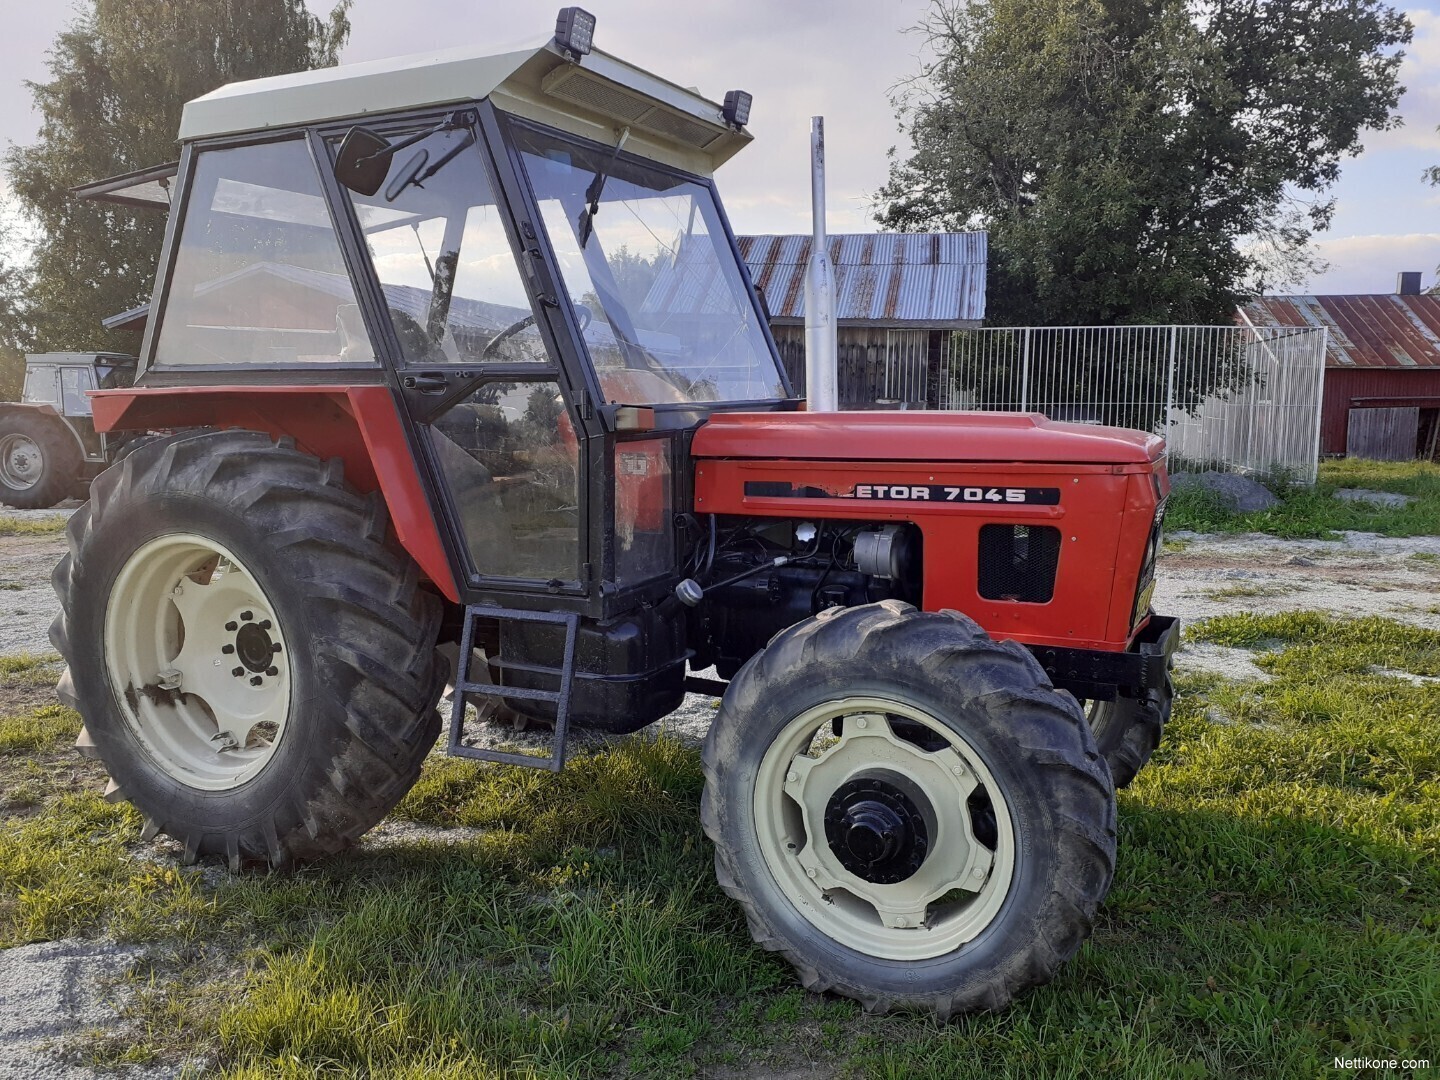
x: 466, y: 686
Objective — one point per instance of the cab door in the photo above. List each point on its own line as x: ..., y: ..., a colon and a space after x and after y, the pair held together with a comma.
x: 489, y: 404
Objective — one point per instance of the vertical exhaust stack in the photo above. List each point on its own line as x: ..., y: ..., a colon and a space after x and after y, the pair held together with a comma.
x: 821, y: 361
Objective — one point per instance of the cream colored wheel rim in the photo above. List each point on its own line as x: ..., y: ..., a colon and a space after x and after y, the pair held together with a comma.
x: 200, y: 669
x: 961, y: 883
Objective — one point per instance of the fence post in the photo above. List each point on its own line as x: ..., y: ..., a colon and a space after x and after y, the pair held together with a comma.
x: 1320, y: 404
x: 1170, y: 384
x: 1025, y: 374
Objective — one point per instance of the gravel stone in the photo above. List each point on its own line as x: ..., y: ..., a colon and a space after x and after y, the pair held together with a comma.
x: 1374, y: 498
x: 1239, y: 493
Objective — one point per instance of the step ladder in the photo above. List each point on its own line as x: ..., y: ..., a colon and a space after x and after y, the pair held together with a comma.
x: 465, y: 686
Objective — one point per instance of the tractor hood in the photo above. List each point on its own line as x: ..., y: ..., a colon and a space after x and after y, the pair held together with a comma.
x: 921, y: 436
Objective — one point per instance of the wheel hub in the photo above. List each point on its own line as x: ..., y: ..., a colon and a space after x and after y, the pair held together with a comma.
x: 253, y: 645
x: 876, y: 831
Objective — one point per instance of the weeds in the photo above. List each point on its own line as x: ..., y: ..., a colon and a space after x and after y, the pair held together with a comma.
x: 32, y: 526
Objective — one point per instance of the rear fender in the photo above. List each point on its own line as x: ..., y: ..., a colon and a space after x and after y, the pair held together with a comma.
x: 360, y: 425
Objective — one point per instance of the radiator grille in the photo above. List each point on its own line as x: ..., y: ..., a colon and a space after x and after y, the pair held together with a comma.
x: 1018, y: 562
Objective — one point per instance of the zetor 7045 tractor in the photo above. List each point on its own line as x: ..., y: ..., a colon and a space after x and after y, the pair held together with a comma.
x: 459, y: 351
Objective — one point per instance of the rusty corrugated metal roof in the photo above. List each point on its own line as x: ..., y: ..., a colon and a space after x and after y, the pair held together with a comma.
x: 889, y: 279
x: 1381, y: 330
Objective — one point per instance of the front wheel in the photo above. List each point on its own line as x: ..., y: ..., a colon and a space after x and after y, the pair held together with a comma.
x: 907, y: 811
x: 254, y: 662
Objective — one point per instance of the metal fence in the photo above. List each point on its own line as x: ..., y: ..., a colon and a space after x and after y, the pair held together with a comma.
x: 1236, y: 398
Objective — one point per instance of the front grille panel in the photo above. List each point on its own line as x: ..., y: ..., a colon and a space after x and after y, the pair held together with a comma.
x: 1018, y: 562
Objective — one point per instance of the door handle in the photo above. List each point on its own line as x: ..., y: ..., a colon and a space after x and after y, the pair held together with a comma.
x: 427, y: 384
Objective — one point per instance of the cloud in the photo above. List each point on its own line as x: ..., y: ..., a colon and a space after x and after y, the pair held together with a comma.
x: 1368, y: 264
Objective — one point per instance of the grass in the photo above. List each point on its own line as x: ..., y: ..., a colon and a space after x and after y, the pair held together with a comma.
x: 1314, y: 513
x: 1277, y: 903
x: 42, y: 526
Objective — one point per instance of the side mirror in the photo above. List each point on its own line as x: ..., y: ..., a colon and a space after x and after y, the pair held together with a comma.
x: 364, y: 161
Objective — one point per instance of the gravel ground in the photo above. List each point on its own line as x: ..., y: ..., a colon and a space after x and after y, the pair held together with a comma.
x: 50, y: 991
x: 54, y: 990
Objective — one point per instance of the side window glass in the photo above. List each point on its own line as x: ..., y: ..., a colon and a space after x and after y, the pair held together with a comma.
x: 445, y: 264
x: 258, y: 275
x: 509, y: 458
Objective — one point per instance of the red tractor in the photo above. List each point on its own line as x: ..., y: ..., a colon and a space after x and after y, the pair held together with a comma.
x: 458, y: 351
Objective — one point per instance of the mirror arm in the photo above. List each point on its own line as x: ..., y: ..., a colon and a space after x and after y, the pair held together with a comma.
x: 451, y: 123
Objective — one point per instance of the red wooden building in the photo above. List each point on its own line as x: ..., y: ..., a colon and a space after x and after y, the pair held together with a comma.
x: 1382, y: 368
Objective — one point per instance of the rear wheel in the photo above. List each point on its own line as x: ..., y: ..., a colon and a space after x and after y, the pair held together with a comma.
x: 254, y: 663
x: 39, y: 461
x: 907, y: 810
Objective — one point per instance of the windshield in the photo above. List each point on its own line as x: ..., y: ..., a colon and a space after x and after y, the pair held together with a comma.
x: 653, y: 274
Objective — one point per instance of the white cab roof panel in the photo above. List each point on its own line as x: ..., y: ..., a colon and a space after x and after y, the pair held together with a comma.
x: 593, y: 97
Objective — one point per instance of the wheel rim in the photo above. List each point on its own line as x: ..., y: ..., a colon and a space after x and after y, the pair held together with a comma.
x: 200, y: 668
x: 22, y: 462
x: 892, y: 837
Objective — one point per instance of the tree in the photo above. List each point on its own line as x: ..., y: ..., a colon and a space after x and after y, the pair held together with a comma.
x: 119, y: 76
x: 1139, y: 161
x: 14, y: 325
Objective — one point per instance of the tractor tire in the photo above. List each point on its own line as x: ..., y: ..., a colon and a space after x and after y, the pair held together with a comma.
x: 39, y: 461
x: 1128, y: 730
x: 907, y: 811
x: 253, y: 659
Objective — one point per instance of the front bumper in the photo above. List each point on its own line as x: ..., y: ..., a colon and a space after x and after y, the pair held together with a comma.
x: 1103, y: 676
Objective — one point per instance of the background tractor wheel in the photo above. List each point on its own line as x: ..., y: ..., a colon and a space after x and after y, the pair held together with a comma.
x: 1128, y: 730
x: 907, y: 811
x: 39, y: 461
x: 254, y: 662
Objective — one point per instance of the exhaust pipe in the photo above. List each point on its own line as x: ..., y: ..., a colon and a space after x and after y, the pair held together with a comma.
x: 821, y: 342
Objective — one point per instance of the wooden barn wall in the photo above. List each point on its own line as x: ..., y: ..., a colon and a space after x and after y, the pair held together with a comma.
x: 864, y: 377
x: 1343, y: 385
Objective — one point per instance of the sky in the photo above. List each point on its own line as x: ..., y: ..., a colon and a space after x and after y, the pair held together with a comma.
x: 842, y: 59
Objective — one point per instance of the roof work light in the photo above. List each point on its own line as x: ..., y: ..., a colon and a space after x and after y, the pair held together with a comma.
x: 737, y: 107
x: 575, y: 30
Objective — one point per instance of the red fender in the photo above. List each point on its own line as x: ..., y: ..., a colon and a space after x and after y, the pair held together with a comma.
x: 360, y: 425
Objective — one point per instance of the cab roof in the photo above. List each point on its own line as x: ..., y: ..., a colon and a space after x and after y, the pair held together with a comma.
x: 593, y: 96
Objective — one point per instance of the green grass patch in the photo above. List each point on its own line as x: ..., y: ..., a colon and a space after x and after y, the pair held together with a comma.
x: 50, y: 727
x: 1276, y: 904
x: 1314, y: 513
x: 30, y: 670
x: 1243, y: 591
x: 32, y: 526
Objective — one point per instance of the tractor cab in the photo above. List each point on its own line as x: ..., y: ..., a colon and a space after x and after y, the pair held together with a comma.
x: 528, y: 248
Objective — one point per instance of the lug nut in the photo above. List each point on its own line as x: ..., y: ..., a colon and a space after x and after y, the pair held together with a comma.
x: 232, y: 626
x: 275, y: 646
x: 272, y: 671
x: 238, y: 672
x: 256, y: 680
x: 265, y: 624
x: 227, y: 649
x: 246, y: 616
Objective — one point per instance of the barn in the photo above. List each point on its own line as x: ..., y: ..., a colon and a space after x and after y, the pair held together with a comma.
x: 898, y: 297
x: 1382, y: 368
